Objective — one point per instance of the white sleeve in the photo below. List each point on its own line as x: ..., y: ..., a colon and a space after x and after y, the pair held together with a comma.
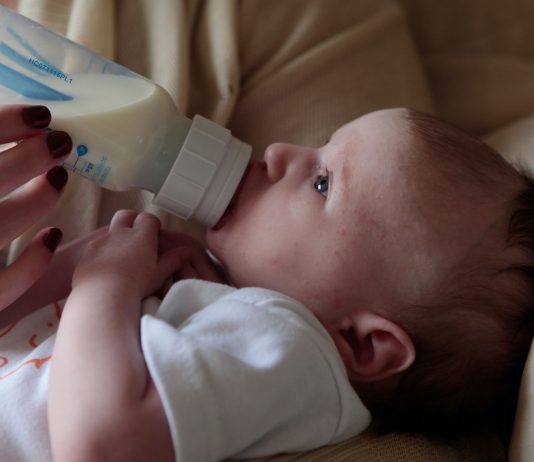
x: 241, y: 379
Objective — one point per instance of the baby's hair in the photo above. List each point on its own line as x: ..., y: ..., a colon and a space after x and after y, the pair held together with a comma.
x: 472, y: 340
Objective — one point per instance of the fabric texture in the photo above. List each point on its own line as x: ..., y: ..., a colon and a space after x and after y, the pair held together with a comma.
x: 214, y: 60
x: 25, y: 354
x: 246, y: 372
x: 293, y: 70
x: 240, y: 372
x: 516, y: 143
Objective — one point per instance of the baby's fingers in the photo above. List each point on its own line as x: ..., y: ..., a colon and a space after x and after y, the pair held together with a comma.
x: 205, y: 266
x: 122, y: 219
x: 201, y: 266
x: 173, y: 261
x: 170, y: 239
x: 29, y: 267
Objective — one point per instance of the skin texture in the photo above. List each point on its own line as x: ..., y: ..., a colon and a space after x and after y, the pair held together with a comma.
x: 365, y: 242
x: 121, y: 416
x: 373, y: 244
x: 25, y: 163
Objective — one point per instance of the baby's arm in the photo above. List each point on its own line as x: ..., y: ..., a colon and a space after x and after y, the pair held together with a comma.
x: 102, y: 403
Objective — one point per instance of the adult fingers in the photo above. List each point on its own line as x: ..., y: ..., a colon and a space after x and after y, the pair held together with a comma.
x: 28, y: 204
x: 29, y: 267
x: 32, y: 157
x: 187, y: 272
x: 22, y: 121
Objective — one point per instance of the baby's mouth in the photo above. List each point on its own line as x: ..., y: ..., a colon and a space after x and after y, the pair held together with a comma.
x: 233, y: 202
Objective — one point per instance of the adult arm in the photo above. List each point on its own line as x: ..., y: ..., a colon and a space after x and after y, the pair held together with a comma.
x: 54, y: 284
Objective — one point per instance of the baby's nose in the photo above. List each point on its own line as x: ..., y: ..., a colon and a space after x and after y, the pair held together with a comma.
x: 278, y: 157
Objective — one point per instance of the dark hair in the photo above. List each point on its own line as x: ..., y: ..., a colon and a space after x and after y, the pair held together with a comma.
x: 468, y: 365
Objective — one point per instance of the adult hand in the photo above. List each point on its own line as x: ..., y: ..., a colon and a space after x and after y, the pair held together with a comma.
x: 32, y: 162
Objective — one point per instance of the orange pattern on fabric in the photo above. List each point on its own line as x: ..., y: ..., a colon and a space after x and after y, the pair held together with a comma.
x: 32, y: 341
x: 37, y: 362
x: 8, y: 329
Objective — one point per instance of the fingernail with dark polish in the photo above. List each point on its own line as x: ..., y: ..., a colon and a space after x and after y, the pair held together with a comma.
x: 59, y: 143
x: 57, y: 177
x: 52, y: 239
x: 36, y: 116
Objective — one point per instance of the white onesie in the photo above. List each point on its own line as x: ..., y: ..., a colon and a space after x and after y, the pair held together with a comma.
x: 241, y: 373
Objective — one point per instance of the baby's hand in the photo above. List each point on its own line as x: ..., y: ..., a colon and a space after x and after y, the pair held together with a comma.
x: 126, y: 258
x: 199, y: 265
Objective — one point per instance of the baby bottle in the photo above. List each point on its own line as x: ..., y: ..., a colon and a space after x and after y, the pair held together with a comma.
x: 126, y: 131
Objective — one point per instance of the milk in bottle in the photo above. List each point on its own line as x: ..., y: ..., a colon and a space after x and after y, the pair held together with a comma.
x: 126, y: 131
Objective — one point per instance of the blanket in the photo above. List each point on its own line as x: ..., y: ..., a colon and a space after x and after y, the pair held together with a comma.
x: 294, y: 70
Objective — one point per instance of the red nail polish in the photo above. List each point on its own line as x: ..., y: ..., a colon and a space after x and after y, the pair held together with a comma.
x: 57, y: 177
x: 52, y: 239
x: 59, y: 143
x: 36, y: 116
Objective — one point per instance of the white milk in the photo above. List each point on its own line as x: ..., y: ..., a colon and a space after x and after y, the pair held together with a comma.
x: 126, y: 131
x: 127, y: 134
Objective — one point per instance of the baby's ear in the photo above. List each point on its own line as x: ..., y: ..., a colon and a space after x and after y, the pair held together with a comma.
x: 372, y: 347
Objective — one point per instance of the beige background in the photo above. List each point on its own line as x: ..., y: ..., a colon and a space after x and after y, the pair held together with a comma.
x: 293, y: 70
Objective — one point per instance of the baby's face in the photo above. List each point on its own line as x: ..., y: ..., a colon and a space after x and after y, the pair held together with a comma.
x: 361, y: 223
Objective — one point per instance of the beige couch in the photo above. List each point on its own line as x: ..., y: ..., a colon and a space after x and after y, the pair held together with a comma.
x: 294, y: 70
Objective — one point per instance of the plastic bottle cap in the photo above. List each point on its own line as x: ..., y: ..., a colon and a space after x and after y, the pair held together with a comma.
x: 206, y: 173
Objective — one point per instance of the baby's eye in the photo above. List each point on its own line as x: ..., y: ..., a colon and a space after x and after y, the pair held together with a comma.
x: 321, y: 184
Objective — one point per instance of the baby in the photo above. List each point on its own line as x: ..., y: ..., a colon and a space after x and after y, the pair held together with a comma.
x: 412, y: 246
x: 388, y: 271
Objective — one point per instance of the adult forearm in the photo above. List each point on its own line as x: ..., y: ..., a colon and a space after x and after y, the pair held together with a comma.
x: 98, y: 375
x: 54, y: 285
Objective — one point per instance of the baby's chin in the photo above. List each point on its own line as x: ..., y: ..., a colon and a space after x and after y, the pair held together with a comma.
x: 211, y: 242
x: 215, y: 244
x: 221, y: 239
